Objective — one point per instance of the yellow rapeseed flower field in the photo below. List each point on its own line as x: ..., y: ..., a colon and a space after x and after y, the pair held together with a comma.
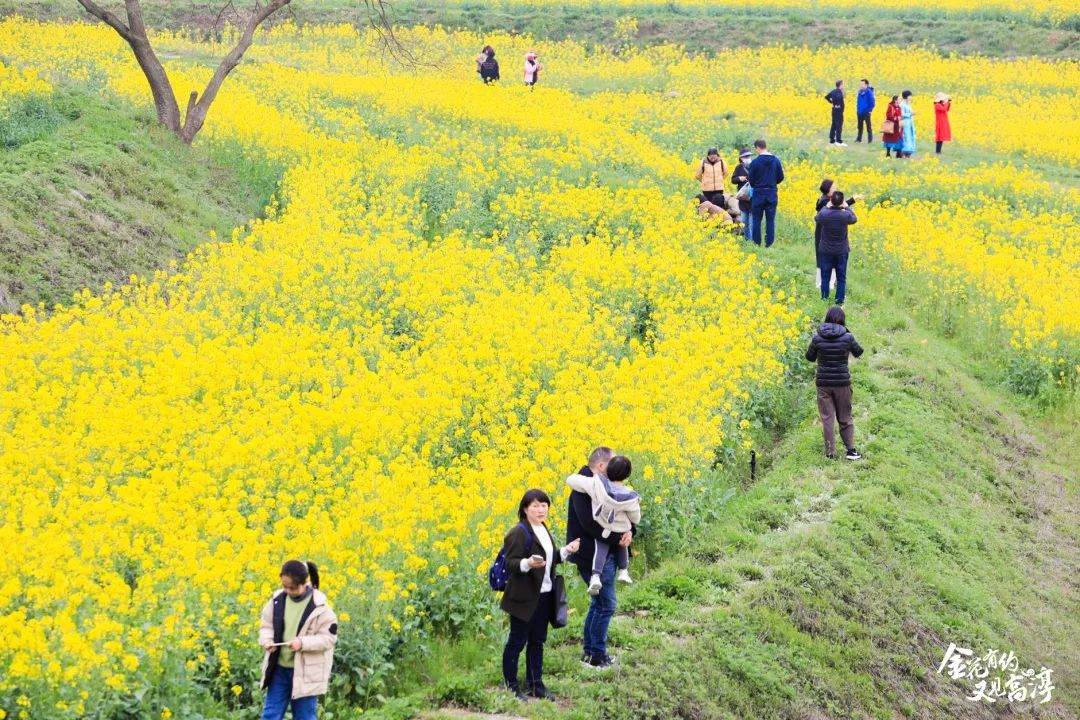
x: 459, y: 290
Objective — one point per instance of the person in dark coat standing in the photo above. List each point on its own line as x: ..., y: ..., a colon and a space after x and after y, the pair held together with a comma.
x: 836, y: 98
x: 765, y: 173
x: 580, y: 524
x: 531, y: 557
x: 831, y: 238
x: 740, y: 176
x: 864, y: 106
x: 830, y: 347
x: 487, y: 65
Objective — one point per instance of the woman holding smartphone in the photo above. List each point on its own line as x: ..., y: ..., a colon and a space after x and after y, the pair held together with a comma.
x: 529, y: 549
x: 298, y: 632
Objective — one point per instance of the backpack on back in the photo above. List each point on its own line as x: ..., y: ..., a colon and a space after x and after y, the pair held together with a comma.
x: 499, y: 574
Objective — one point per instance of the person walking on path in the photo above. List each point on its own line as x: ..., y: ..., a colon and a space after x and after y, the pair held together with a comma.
x: 712, y: 174
x: 907, y: 142
x: 531, y: 556
x: 298, y: 631
x: 891, y: 139
x: 864, y: 106
x: 580, y: 524
x: 836, y: 98
x: 833, y: 250
x: 740, y: 177
x: 942, y: 129
x: 830, y: 347
x: 765, y: 174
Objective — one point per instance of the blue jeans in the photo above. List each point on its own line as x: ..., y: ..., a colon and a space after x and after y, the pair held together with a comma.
x: 601, y: 610
x: 828, y: 263
x: 279, y: 694
x: 763, y: 204
x: 747, y: 223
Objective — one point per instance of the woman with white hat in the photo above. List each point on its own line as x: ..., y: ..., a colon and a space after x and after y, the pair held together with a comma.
x: 942, y: 129
x: 532, y: 69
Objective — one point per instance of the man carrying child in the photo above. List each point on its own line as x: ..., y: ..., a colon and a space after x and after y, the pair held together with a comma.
x: 580, y: 523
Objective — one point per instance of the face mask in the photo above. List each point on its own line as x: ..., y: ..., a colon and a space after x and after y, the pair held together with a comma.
x: 746, y: 161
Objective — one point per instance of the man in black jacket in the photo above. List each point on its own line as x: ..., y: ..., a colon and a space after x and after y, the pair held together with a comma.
x: 830, y: 347
x: 580, y: 524
x: 836, y: 99
x: 741, y: 176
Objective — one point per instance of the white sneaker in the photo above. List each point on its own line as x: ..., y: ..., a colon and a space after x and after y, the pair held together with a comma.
x: 841, y: 144
x: 624, y: 576
x: 595, y: 584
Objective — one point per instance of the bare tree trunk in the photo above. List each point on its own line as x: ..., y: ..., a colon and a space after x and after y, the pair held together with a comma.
x: 134, y: 32
x: 198, y: 106
x: 168, y: 110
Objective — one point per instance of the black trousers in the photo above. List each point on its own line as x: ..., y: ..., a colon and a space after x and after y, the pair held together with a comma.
x: 528, y: 636
x: 716, y: 197
x: 938, y: 151
x: 865, y: 117
x: 837, y: 126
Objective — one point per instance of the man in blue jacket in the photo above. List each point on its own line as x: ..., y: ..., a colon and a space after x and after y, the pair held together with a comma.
x: 863, y: 107
x: 766, y: 173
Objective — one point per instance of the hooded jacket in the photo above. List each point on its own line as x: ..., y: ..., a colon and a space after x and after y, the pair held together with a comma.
x: 833, y: 223
x: 616, y: 509
x: 830, y: 347
x: 317, y: 636
x: 866, y: 101
x: 765, y: 173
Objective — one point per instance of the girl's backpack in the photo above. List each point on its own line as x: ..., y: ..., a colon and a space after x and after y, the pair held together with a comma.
x: 499, y: 574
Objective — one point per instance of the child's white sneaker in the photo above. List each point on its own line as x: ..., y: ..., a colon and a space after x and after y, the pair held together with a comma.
x: 595, y: 584
x: 624, y: 576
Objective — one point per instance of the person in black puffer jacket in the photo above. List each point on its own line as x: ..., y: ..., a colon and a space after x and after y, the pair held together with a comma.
x: 830, y: 347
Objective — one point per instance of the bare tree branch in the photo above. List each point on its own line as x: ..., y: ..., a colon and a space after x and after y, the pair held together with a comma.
x: 196, y: 112
x: 135, y: 18
x: 107, y: 17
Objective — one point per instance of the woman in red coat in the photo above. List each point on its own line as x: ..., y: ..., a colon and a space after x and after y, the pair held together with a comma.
x: 891, y: 141
x: 942, y: 105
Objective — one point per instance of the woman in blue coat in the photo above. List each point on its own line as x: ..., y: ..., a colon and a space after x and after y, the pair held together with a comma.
x: 907, y: 121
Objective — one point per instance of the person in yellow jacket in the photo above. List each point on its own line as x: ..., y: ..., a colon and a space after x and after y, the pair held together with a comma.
x: 712, y: 174
x: 298, y: 632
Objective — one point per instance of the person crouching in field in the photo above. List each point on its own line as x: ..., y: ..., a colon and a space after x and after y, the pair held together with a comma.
x: 617, y: 509
x: 298, y: 632
x: 707, y: 208
x: 830, y: 347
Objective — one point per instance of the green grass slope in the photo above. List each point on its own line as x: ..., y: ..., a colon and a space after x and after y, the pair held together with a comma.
x: 830, y: 589
x: 93, y: 191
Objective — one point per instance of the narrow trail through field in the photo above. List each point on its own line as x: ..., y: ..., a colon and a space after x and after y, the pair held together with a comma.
x: 834, y: 586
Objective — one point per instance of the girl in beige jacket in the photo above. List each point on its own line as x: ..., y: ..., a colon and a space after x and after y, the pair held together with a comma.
x: 298, y: 632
